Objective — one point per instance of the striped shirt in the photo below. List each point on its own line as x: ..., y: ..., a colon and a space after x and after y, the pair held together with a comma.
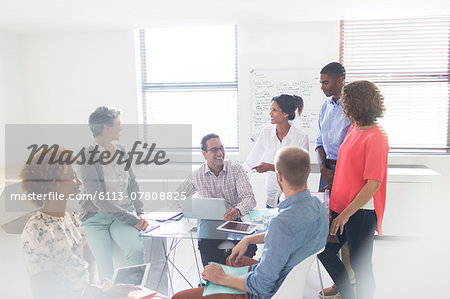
x: 232, y: 184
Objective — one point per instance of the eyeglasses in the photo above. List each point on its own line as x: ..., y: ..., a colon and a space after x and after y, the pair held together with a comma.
x: 216, y: 149
x: 73, y: 179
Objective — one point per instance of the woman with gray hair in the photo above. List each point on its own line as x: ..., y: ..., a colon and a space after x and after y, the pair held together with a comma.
x: 109, y: 222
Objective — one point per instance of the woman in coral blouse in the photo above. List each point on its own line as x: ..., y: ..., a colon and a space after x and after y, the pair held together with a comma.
x: 359, y: 190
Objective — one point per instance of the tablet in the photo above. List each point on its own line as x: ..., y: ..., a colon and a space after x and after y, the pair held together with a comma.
x: 136, y: 275
x: 238, y: 227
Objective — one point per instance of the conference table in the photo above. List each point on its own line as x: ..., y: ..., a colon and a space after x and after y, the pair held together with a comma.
x: 166, y: 235
x: 163, y: 237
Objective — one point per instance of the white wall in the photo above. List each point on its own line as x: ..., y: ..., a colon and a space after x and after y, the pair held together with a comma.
x: 68, y: 75
x: 11, y: 99
x: 278, y: 46
x: 302, y: 45
x: 11, y: 102
x: 61, y: 78
x: 439, y: 163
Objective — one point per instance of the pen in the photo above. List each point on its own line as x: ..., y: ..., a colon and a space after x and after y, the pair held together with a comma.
x: 152, y: 228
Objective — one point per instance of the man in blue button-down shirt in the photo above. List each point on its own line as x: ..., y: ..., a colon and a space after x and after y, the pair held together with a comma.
x: 299, y: 230
x: 333, y: 124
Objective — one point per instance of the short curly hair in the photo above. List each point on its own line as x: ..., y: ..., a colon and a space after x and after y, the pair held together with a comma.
x: 362, y: 102
x: 42, y: 176
x: 102, y: 116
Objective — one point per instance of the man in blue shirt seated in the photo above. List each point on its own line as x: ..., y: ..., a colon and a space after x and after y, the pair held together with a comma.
x: 298, y: 231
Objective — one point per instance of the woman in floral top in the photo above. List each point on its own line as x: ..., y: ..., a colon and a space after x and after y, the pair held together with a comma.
x: 54, y: 244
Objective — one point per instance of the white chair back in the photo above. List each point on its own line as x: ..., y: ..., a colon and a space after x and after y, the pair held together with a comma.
x: 226, y: 245
x: 294, y: 285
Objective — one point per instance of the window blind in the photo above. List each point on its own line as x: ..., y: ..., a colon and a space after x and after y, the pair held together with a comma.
x: 408, y: 59
x: 189, y: 75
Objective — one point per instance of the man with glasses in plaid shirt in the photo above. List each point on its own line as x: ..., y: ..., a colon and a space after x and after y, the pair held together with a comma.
x: 220, y: 178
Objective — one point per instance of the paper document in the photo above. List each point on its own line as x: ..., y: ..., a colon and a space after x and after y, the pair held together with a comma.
x: 258, y: 216
x: 163, y: 216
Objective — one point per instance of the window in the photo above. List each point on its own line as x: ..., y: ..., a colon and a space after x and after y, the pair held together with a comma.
x: 189, y: 76
x: 408, y: 59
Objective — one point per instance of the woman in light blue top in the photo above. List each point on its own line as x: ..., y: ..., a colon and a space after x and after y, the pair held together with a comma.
x: 107, y: 222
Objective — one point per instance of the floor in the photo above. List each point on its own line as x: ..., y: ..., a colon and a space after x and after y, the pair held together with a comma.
x: 403, y: 267
x: 184, y: 261
x: 13, y: 275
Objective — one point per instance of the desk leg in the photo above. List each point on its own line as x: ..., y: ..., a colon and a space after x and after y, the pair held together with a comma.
x: 158, y: 252
x: 172, y: 249
x: 167, y: 255
x: 196, y: 260
x: 155, y: 254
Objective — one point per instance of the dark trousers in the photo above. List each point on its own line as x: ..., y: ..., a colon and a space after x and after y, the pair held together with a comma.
x: 210, y: 253
x: 322, y: 182
x: 359, y: 234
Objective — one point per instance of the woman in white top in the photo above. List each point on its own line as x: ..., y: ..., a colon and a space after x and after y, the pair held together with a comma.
x: 278, y: 134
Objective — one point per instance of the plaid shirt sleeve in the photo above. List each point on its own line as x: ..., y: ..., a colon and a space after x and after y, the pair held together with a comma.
x: 188, y: 186
x: 244, y: 190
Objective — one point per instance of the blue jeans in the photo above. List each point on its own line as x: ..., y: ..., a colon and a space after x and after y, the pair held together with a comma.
x: 359, y: 233
x: 323, y: 183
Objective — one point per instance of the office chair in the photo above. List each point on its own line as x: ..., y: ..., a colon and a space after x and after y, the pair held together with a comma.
x: 294, y: 284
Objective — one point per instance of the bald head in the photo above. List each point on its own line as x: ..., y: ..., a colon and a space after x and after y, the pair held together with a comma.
x: 293, y: 164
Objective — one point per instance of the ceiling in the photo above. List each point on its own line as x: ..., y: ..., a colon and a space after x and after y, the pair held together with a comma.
x: 55, y: 16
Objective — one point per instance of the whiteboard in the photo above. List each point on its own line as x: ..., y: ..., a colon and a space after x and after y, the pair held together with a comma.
x: 267, y: 83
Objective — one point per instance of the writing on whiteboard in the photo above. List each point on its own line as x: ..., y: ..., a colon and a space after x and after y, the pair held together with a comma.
x: 267, y: 84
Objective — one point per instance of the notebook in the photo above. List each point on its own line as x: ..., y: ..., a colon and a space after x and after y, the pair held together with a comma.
x: 212, y: 288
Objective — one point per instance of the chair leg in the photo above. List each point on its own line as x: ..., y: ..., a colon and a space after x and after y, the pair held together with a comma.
x: 320, y: 278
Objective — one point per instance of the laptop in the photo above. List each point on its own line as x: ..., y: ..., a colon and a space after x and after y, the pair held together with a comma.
x: 136, y: 275
x: 204, y: 208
